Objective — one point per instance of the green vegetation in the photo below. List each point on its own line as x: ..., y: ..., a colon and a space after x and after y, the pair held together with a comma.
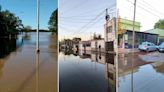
x: 159, y: 24
x: 53, y: 21
x: 9, y: 23
x: 27, y: 29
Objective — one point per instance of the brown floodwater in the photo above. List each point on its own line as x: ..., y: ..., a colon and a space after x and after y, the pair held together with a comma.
x: 23, y: 70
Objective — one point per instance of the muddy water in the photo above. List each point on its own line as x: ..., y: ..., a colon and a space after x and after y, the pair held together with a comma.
x: 22, y: 70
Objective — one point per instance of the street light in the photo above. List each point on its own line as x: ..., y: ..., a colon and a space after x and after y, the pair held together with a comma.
x: 38, y: 14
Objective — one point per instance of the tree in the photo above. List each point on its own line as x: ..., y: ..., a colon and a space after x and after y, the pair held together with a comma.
x: 53, y: 22
x: 159, y: 24
x: 9, y: 23
x: 27, y: 29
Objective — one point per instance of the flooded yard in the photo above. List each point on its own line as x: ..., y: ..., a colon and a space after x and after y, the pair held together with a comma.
x: 23, y: 70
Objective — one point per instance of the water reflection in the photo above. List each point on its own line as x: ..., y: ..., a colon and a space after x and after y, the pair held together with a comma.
x: 26, y: 36
x: 124, y: 73
x: 137, y: 75
x: 159, y: 67
x: 37, y: 72
x: 8, y: 45
x: 103, y: 73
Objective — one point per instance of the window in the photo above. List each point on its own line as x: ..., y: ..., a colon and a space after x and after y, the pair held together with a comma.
x: 109, y: 29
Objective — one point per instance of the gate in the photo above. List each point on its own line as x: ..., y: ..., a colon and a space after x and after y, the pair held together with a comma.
x: 109, y: 46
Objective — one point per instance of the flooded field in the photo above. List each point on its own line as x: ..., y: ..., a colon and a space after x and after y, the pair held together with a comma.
x: 23, y: 70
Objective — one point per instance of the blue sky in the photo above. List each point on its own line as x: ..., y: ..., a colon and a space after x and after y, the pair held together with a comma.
x: 26, y: 11
x: 75, y: 14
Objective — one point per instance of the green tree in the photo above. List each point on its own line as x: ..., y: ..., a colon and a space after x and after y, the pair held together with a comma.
x: 27, y: 29
x: 53, y: 21
x: 9, y: 23
x: 159, y: 24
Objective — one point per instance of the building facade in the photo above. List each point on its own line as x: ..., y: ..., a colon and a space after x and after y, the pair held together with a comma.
x: 98, y: 45
x: 160, y: 33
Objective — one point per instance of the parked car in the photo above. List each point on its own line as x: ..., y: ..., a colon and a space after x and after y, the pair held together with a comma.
x: 161, y: 47
x: 147, y: 46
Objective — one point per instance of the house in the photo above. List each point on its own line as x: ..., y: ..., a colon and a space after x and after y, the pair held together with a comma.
x: 124, y: 32
x: 85, y: 46
x: 98, y: 45
x: 158, y: 31
x: 125, y: 39
x: 66, y: 44
x: 76, y: 41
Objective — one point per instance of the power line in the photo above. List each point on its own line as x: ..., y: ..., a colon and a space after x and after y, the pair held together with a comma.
x: 89, y: 22
x: 145, y: 9
x: 153, y: 7
x: 76, y: 6
x: 98, y: 20
x: 90, y: 13
x: 93, y: 21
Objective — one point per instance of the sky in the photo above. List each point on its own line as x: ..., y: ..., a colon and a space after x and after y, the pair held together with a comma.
x: 75, y: 15
x: 148, y: 12
x: 82, y: 18
x: 26, y: 10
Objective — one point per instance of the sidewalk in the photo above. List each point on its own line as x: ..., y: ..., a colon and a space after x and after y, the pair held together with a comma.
x: 153, y: 57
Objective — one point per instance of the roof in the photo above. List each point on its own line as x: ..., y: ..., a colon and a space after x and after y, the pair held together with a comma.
x: 158, y: 31
x: 130, y: 22
x: 143, y: 32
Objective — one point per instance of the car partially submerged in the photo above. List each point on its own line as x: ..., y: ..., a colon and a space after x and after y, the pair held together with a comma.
x: 161, y: 47
x: 147, y: 46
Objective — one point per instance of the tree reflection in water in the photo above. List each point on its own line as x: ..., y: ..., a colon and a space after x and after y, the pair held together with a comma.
x: 7, y: 46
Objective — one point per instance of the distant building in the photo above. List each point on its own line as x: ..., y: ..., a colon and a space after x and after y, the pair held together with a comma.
x: 98, y: 45
x: 76, y: 43
x: 85, y: 46
x: 67, y: 44
x: 70, y: 44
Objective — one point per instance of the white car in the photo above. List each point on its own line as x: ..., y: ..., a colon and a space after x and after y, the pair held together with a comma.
x: 161, y: 47
x: 147, y: 46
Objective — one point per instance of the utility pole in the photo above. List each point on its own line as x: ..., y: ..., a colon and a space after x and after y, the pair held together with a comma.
x: 38, y: 14
x: 133, y: 45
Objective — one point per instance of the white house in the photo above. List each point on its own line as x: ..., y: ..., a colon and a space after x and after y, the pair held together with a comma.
x: 98, y: 45
x: 85, y: 46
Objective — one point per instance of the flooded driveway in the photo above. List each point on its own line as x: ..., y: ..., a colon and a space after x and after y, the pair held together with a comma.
x: 22, y: 70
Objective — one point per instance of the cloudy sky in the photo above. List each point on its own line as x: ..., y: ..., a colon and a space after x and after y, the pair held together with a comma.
x: 81, y: 18
x: 148, y: 12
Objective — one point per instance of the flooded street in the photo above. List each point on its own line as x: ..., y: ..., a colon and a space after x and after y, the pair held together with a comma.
x: 96, y: 72
x: 138, y: 75
x: 22, y: 70
x: 86, y: 72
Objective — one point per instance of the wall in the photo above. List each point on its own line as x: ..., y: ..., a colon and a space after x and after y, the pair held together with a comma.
x: 100, y: 43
